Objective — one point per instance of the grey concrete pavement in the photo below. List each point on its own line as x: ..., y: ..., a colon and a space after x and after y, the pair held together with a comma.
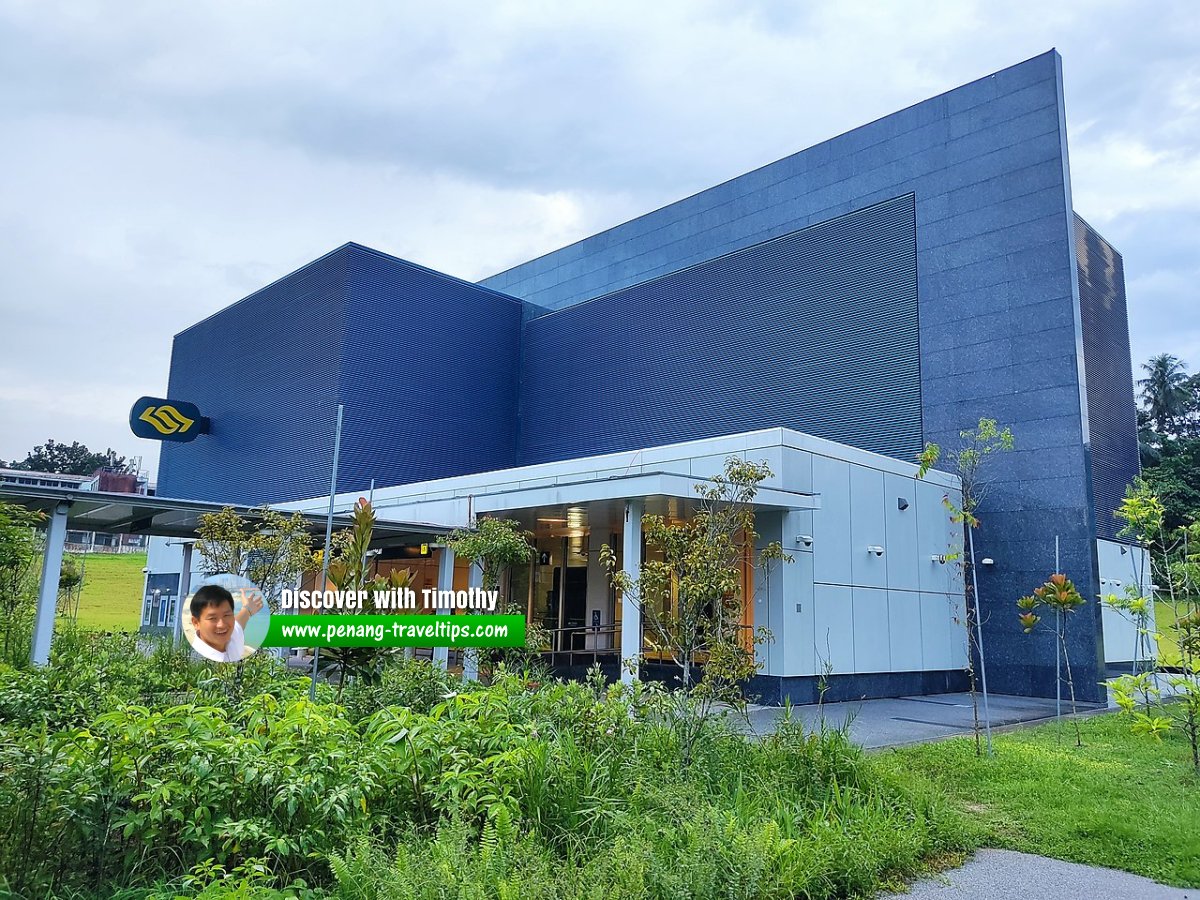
x: 909, y: 720
x: 1006, y: 875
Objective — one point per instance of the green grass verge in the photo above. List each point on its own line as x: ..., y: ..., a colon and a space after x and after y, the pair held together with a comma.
x: 111, y: 599
x: 1122, y: 801
x: 1166, y: 614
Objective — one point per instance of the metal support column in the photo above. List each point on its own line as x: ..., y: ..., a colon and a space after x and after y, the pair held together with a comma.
x: 441, y: 655
x: 631, y: 612
x: 185, y: 588
x: 471, y: 654
x: 47, y: 602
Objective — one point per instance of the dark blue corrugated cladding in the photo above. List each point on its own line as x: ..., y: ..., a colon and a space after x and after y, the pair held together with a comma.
x: 425, y: 365
x: 816, y: 331
x: 265, y: 371
x: 1112, y: 410
x: 429, y: 379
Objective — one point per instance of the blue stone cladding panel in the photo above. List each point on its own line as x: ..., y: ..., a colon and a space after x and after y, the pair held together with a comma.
x: 1112, y: 410
x: 815, y: 331
x: 425, y: 365
x: 997, y: 284
x: 265, y: 371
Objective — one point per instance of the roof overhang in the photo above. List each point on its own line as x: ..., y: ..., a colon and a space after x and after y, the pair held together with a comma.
x: 114, y: 513
x: 620, y: 487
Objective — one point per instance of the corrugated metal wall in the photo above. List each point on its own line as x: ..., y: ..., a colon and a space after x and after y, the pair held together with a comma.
x: 429, y: 376
x: 265, y: 372
x: 1112, y: 410
x: 425, y: 364
x: 816, y: 330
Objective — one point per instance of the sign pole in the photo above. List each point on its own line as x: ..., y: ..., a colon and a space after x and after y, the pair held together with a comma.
x: 337, y: 445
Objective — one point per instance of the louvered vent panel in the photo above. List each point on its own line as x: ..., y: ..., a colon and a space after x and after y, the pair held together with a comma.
x: 816, y: 330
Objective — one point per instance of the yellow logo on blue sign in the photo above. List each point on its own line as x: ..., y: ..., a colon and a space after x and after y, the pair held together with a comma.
x: 166, y: 420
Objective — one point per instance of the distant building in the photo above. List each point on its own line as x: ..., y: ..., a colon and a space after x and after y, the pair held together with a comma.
x: 103, y: 479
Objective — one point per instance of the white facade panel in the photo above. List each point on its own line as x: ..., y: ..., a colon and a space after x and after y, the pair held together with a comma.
x: 872, y: 645
x: 832, y: 540
x: 868, y: 532
x: 833, y: 628
x: 903, y: 565
x: 904, y: 631
x: 937, y: 537
x: 1122, y: 566
x: 936, y: 632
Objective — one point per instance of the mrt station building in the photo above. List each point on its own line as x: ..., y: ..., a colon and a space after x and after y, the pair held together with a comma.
x: 830, y: 313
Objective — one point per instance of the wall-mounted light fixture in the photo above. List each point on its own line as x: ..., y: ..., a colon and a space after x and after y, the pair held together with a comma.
x: 987, y: 561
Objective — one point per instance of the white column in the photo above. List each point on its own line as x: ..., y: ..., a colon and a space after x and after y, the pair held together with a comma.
x: 441, y: 655
x: 471, y: 654
x: 185, y: 588
x: 47, y: 603
x: 631, y: 613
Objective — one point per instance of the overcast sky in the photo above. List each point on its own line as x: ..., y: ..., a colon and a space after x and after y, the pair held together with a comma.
x: 161, y: 160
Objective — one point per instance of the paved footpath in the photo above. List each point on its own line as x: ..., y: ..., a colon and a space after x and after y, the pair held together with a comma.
x: 908, y: 720
x: 1006, y: 875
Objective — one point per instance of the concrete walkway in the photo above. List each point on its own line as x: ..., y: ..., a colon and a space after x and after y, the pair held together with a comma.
x: 1006, y: 875
x: 910, y: 720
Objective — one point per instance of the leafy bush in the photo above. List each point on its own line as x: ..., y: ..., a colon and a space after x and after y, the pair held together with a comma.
x: 129, y: 768
x: 414, y: 683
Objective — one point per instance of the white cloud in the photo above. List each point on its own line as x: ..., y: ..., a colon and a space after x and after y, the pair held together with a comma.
x: 164, y: 160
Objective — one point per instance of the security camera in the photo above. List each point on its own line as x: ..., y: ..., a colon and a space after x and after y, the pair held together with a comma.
x: 938, y: 559
x: 145, y: 570
x: 875, y: 550
x: 805, y: 539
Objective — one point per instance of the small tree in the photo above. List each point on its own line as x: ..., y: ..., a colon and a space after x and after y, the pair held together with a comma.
x: 969, y: 461
x: 1143, y: 515
x: 350, y: 570
x: 19, y: 545
x: 1060, y: 595
x: 1175, y: 565
x: 272, y: 550
x: 69, y: 459
x: 692, y: 598
x: 70, y: 586
x: 495, y: 545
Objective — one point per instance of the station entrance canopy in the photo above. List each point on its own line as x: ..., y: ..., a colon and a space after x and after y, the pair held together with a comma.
x: 114, y: 513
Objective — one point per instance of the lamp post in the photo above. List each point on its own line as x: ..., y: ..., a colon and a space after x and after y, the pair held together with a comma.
x: 337, y: 445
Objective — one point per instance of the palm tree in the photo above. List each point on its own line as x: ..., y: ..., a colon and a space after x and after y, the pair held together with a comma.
x: 1164, y: 390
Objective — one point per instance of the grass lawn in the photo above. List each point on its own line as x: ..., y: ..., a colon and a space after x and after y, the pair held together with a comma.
x: 111, y: 599
x: 1121, y: 801
x: 1165, y: 616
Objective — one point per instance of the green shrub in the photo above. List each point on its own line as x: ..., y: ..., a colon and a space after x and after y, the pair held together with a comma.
x: 413, y: 683
x: 129, y: 768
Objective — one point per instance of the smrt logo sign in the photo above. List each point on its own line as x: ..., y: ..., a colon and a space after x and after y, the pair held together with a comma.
x: 166, y: 420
